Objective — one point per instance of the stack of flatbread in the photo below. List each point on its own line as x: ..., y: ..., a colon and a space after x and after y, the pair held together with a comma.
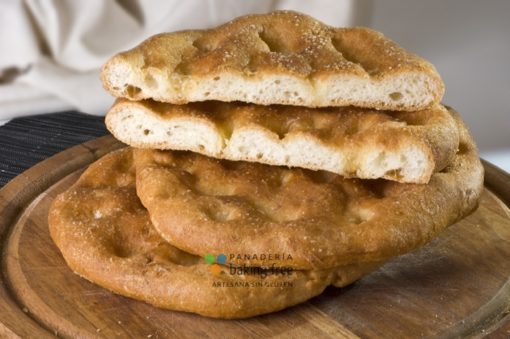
x: 268, y: 158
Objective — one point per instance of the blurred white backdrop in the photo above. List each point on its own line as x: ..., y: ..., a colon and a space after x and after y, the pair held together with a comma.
x: 469, y: 43
x: 51, y: 50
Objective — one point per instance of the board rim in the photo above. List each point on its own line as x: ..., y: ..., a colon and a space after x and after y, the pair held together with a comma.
x: 14, y: 319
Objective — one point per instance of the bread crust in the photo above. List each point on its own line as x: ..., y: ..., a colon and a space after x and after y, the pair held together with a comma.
x: 204, y: 205
x: 105, y: 236
x: 353, y: 142
x: 283, y: 57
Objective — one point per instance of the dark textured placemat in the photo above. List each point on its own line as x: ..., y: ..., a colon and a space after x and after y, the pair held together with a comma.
x: 26, y: 141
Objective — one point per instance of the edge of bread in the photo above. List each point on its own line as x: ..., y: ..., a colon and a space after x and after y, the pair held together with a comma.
x: 249, y: 59
x: 395, y: 150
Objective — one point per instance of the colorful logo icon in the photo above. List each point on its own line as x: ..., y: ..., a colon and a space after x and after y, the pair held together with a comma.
x: 209, y: 258
x: 215, y: 262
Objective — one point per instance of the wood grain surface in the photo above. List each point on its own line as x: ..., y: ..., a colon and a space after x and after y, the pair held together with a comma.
x: 456, y: 286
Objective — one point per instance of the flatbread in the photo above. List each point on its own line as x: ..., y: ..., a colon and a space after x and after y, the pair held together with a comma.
x: 105, y: 236
x: 204, y: 205
x: 352, y: 142
x: 283, y: 57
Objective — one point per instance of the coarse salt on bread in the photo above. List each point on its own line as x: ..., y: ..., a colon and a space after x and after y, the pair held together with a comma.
x: 283, y: 57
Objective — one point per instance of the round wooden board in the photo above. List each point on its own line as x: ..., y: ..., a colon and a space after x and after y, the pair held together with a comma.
x: 456, y: 286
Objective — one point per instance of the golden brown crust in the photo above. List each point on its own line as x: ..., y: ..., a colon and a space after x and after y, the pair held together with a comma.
x: 204, y: 205
x: 312, y: 64
x: 105, y: 236
x: 348, y: 141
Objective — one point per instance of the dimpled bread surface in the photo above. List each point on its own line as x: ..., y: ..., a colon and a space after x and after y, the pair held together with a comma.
x: 106, y: 237
x: 204, y: 205
x: 283, y: 57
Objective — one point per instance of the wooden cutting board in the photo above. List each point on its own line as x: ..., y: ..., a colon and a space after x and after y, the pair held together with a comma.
x: 456, y: 286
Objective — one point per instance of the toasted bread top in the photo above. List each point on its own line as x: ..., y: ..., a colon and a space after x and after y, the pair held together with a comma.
x: 283, y: 57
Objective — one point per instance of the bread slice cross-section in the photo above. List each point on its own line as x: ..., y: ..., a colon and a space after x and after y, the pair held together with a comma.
x: 352, y: 142
x: 282, y: 57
